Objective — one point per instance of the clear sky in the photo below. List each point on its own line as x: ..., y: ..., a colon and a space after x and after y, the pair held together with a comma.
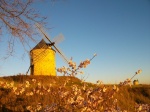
x: 117, y: 30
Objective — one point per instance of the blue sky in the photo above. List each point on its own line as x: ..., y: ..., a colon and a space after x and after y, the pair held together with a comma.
x: 118, y: 31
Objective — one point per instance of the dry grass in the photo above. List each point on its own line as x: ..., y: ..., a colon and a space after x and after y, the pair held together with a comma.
x: 128, y: 96
x: 65, y: 93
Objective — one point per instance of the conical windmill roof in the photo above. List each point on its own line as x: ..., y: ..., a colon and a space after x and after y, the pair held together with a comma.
x: 42, y: 45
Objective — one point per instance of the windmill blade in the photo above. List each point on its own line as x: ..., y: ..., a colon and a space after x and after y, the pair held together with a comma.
x: 43, y: 32
x: 45, y: 35
x: 58, y: 38
x: 62, y: 54
x: 29, y: 66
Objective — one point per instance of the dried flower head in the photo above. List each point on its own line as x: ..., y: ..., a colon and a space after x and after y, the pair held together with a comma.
x: 138, y: 72
x: 95, y: 54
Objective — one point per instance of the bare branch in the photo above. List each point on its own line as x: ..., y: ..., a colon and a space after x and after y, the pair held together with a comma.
x: 17, y: 19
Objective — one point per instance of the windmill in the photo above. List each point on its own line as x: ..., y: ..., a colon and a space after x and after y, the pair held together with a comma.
x: 42, y: 56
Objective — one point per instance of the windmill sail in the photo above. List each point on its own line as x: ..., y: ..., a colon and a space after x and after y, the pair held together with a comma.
x: 58, y: 39
x: 45, y: 35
